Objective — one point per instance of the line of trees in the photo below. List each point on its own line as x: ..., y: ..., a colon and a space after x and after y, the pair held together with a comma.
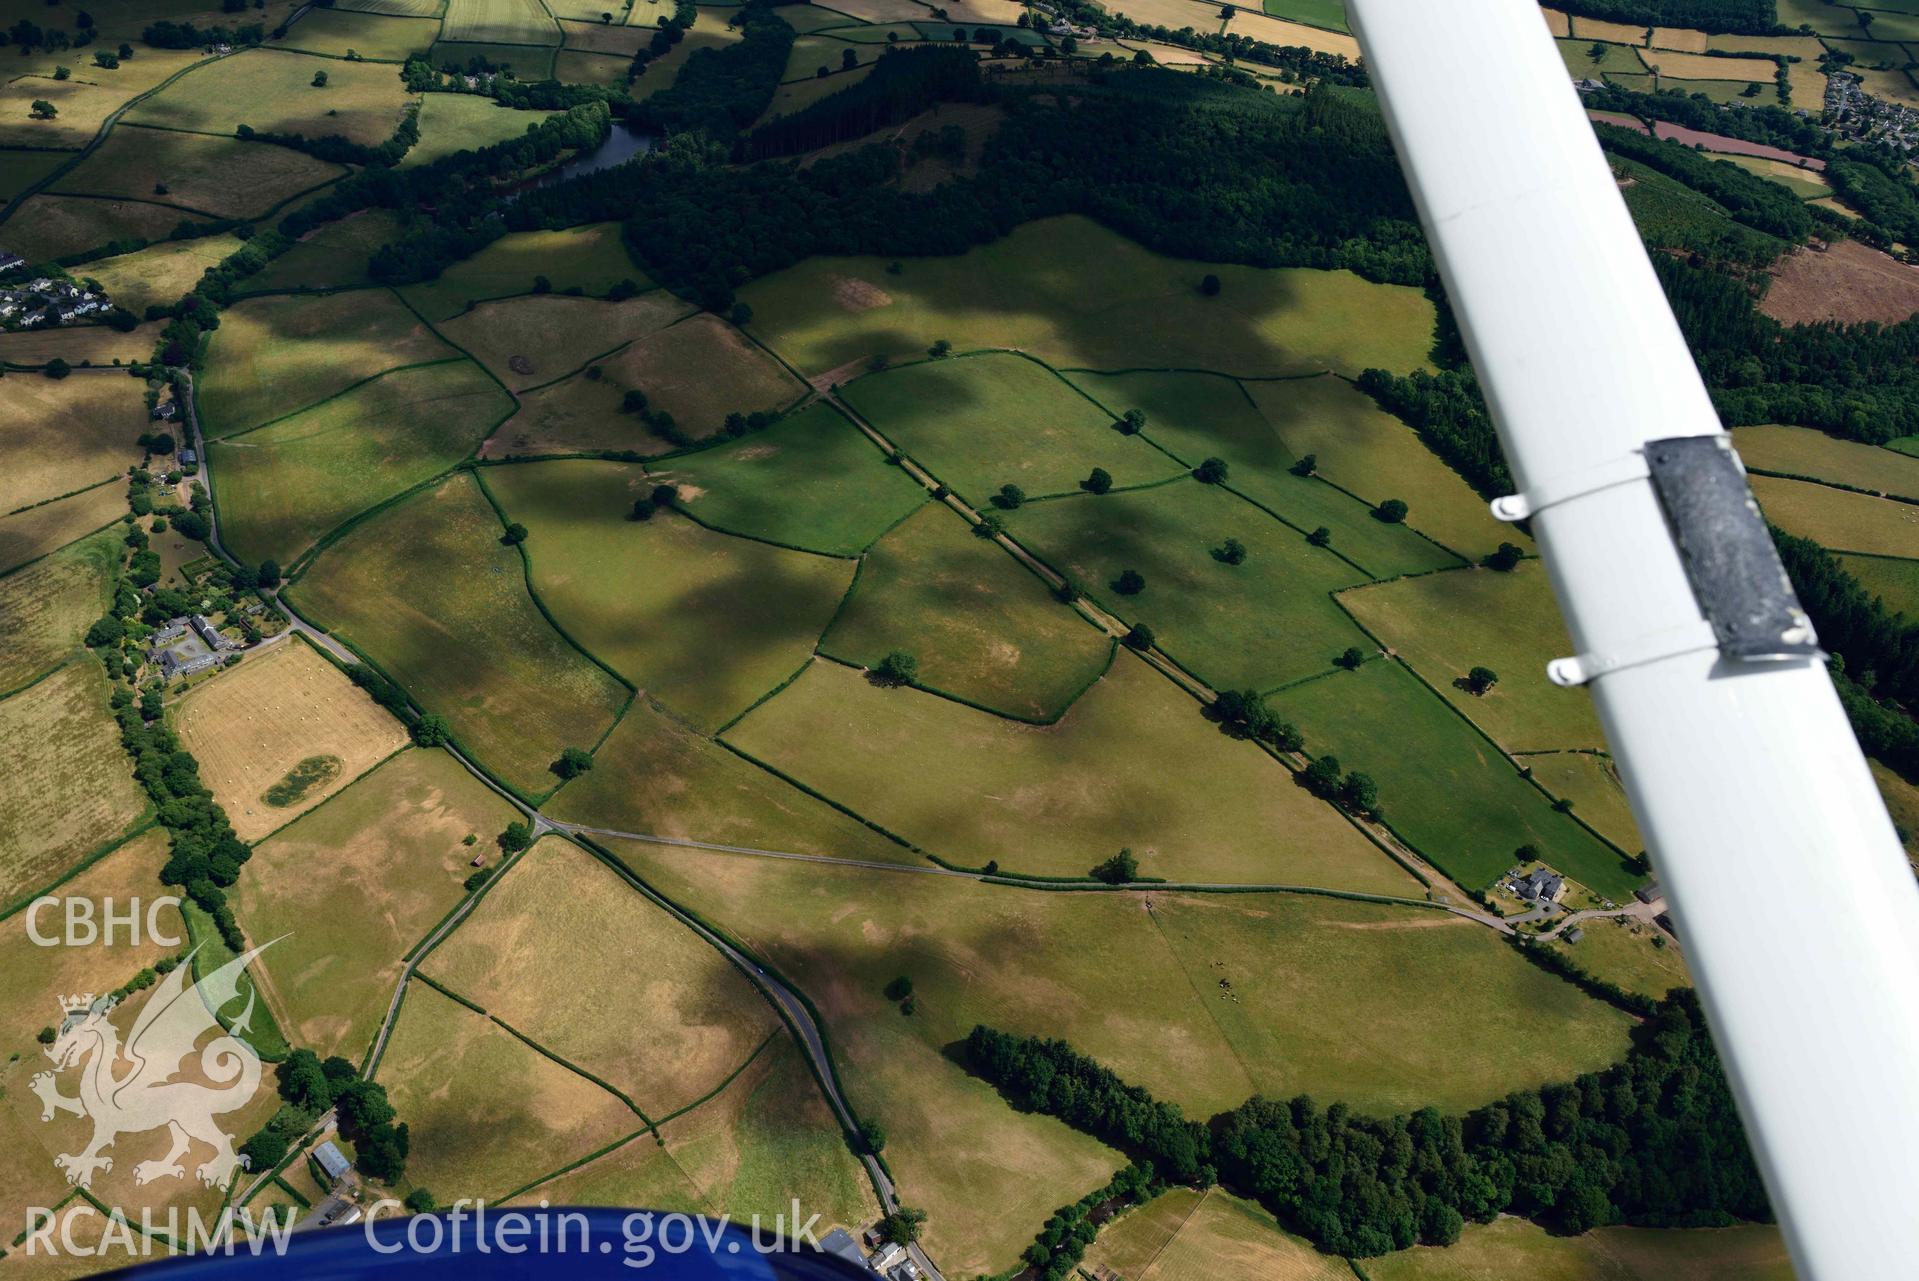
x: 184, y: 35
x: 1742, y: 17
x: 1653, y: 1140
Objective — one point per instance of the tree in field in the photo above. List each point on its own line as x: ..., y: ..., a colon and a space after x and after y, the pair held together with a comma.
x: 1131, y: 423
x: 269, y: 574
x: 515, y: 534
x: 516, y: 837
x: 1009, y: 497
x: 1130, y: 583
x: 1597, y: 54
x: 1230, y: 552
x: 898, y: 668
x: 1306, y: 466
x: 642, y: 509
x: 57, y: 368
x: 872, y: 1137
x: 431, y: 730
x: 1211, y: 472
x: 319, y: 80
x: 1392, y: 511
x: 940, y: 350
x: 418, y: 1201
x: 741, y: 314
x: 1139, y: 638
x: 848, y: 60
x: 1320, y: 537
x: 193, y: 525
x: 904, y: 1225
x: 1322, y: 777
x: 989, y: 526
x: 634, y: 401
x: 1209, y: 285
x: 1350, y: 659
x: 1119, y: 869
x: 573, y: 762
x: 63, y: 73
x: 665, y: 495
x: 1505, y: 558
x: 1098, y: 481
x: 899, y: 989
x: 1358, y: 793
x: 1480, y: 679
x: 106, y: 633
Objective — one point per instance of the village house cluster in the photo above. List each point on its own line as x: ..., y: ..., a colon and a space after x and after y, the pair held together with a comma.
x: 880, y: 1257
x: 188, y: 645
x: 44, y: 302
x: 1854, y: 113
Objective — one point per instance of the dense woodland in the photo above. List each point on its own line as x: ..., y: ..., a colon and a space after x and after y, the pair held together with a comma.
x: 1653, y: 1140
x: 1745, y: 17
x: 902, y: 84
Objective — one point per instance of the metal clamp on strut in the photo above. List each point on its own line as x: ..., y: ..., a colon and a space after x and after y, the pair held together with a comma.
x: 1751, y: 613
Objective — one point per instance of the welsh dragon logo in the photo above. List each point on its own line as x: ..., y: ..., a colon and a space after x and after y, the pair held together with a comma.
x: 141, y: 1086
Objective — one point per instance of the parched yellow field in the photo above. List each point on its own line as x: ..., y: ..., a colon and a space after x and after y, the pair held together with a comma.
x: 533, y: 340
x: 84, y: 101
x: 67, y: 434
x: 160, y: 274
x: 80, y: 345
x: 350, y: 887
x: 549, y: 951
x: 1615, y: 32
x: 30, y: 534
x: 1175, y: 14
x: 1839, y: 520
x: 1557, y: 23
x: 221, y: 176
x: 272, y: 90
x: 1694, y: 66
x: 46, y: 607
x: 1512, y: 1248
x: 276, y: 709
x: 1216, y: 1234
x: 604, y: 38
x: 1679, y: 39
x: 54, y: 226
x: 69, y: 789
x: 382, y: 37
x: 1291, y: 34
x: 499, y: 22
x: 487, y: 1112
x: 572, y: 67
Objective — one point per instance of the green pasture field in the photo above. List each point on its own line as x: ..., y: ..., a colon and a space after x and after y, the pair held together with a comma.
x: 499, y: 22
x: 350, y: 886
x: 575, y: 415
x: 1444, y: 625
x: 811, y: 480
x: 699, y: 370
x: 487, y: 1112
x: 980, y: 422
x: 160, y: 274
x: 1514, y: 1248
x: 813, y: 54
x: 524, y: 61
x: 377, y: 37
x: 1072, y: 293
x: 574, y: 68
x: 1132, y: 764
x: 272, y: 90
x: 944, y: 31
x: 789, y: 98
x: 1196, y: 416
x: 1254, y: 625
x: 46, y: 227
x: 549, y: 951
x: 333, y: 257
x: 1591, y: 782
x: 1577, y: 55
x: 807, y: 18
x: 709, y: 31
x: 982, y: 626
x: 432, y: 595
x: 1821, y: 16
x: 1838, y: 520
x: 768, y: 1138
x: 527, y: 342
x: 1442, y: 787
x: 704, y: 622
x: 283, y: 486
x: 451, y: 122
x: 66, y: 434
x: 223, y: 177
x: 30, y: 534
x: 275, y: 356
x: 1626, y: 952
x: 656, y: 776
x: 1894, y: 581
x: 1330, y: 14
x: 1902, y: 803
x: 987, y: 1175
x: 47, y: 606
x: 21, y: 169
x: 875, y: 33
x: 1322, y: 996
x: 1801, y: 451
x: 1368, y: 452
x: 1895, y: 26
x: 1724, y: 92
x: 73, y: 791
x: 594, y: 36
